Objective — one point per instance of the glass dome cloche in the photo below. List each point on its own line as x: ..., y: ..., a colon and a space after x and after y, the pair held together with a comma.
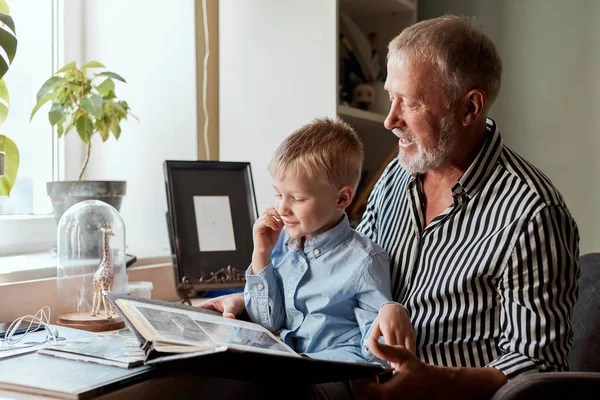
x: 90, y: 259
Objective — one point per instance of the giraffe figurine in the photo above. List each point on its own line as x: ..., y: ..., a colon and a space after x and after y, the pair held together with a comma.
x: 104, y: 277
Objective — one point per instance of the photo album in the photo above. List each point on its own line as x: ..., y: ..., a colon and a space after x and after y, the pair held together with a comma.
x: 117, y: 349
x: 191, y: 339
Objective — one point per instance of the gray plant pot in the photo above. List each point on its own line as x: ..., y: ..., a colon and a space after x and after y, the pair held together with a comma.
x: 64, y: 194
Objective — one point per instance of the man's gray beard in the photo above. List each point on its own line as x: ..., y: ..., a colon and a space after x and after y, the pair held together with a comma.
x: 428, y: 159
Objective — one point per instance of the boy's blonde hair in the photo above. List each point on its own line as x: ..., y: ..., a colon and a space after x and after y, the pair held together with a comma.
x: 327, y: 149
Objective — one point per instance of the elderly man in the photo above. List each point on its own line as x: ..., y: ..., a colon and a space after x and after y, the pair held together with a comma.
x: 484, y: 249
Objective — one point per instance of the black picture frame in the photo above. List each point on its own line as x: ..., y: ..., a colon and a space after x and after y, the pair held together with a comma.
x: 209, y: 270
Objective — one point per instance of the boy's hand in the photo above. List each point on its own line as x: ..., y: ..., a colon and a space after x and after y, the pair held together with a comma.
x: 265, y: 234
x: 393, y: 323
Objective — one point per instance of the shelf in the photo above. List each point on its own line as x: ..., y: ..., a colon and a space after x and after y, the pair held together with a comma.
x: 377, y: 7
x: 360, y: 114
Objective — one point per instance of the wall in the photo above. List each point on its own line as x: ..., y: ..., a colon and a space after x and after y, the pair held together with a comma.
x: 548, y: 104
x: 151, y: 43
x: 277, y: 71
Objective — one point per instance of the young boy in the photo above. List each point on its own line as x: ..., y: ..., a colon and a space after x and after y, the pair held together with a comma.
x: 313, y: 277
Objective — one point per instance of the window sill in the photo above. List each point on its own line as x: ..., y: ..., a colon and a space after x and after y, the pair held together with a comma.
x: 36, y: 266
x: 23, y: 297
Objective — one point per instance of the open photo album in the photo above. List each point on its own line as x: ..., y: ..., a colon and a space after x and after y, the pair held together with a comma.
x: 188, y: 338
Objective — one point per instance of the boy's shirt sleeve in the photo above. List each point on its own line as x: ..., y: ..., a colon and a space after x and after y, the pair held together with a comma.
x: 374, y: 290
x: 263, y: 294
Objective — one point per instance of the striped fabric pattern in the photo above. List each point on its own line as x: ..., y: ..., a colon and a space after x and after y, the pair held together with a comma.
x: 492, y: 280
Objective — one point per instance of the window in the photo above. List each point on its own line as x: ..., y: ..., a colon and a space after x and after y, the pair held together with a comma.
x: 33, y: 64
x: 46, y: 37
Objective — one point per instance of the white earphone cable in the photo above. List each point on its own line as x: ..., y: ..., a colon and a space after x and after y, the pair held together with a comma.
x: 41, y: 318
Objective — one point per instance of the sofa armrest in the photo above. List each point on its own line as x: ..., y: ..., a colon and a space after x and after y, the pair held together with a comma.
x: 550, y: 386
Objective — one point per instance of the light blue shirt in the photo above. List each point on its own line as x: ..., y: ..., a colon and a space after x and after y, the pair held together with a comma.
x: 325, y: 297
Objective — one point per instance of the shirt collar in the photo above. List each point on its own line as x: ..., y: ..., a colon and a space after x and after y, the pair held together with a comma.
x: 484, y: 164
x: 325, y: 241
x: 480, y: 169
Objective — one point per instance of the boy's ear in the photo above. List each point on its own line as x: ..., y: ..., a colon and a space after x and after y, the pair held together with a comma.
x: 345, y: 196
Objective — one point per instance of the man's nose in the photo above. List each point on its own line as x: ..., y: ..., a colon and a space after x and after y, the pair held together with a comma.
x: 395, y: 117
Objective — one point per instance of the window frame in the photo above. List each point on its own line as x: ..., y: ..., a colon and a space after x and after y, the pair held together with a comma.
x: 28, y: 233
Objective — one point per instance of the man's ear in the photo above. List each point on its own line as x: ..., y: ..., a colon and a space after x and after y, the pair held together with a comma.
x: 345, y: 196
x: 474, y: 102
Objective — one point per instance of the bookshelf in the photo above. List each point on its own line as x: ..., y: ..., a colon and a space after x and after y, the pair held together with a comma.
x: 286, y: 72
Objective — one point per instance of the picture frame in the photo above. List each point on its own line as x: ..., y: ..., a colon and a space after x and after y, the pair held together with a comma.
x: 211, y: 211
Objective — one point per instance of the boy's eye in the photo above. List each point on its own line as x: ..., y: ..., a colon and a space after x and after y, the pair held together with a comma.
x: 297, y: 200
x: 278, y: 195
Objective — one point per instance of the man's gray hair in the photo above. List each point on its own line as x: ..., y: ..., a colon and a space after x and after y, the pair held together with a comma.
x: 462, y: 55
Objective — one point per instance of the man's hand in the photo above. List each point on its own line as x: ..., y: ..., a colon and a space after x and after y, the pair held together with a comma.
x: 411, y: 378
x: 265, y: 233
x: 231, y: 305
x: 393, y: 323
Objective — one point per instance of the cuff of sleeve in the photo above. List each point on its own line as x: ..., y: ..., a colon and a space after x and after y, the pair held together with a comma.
x: 513, y: 364
x: 258, y: 285
x: 392, y: 302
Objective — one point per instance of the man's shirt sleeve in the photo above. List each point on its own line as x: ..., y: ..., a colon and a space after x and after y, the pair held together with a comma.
x: 538, y: 290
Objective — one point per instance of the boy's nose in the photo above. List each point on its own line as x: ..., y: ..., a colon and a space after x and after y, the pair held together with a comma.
x: 282, y: 208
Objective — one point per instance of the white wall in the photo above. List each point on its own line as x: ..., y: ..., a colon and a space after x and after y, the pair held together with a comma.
x: 277, y: 71
x: 151, y: 43
x: 549, y: 102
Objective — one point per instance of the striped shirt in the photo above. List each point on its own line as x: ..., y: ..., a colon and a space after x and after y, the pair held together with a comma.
x: 493, y: 279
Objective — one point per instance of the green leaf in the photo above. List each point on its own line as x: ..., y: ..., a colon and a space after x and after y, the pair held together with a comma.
x: 76, y: 89
x: 112, y: 75
x: 67, y: 67
x: 7, y: 19
x: 51, y: 84
x: 11, y: 166
x: 116, y: 129
x: 55, y: 114
x: 102, y: 129
x: 119, y: 108
x: 9, y: 44
x: 62, y: 96
x: 93, y: 64
x: 106, y: 87
x: 4, y: 7
x: 47, y: 97
x: 85, y: 128
x: 60, y: 129
x: 70, y: 126
x: 3, y: 66
x: 109, y: 96
x: 93, y: 105
x: 5, y: 103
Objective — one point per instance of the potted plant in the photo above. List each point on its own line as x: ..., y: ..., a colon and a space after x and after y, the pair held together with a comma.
x: 86, y: 102
x: 9, y: 154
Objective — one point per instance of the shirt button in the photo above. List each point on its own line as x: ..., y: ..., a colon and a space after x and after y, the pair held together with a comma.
x: 289, y: 295
x: 317, y: 252
x: 309, y: 242
x: 459, y: 190
x: 260, y: 286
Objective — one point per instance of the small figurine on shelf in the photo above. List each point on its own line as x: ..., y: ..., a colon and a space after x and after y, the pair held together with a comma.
x: 104, y: 277
x: 185, y: 290
x: 363, y: 96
